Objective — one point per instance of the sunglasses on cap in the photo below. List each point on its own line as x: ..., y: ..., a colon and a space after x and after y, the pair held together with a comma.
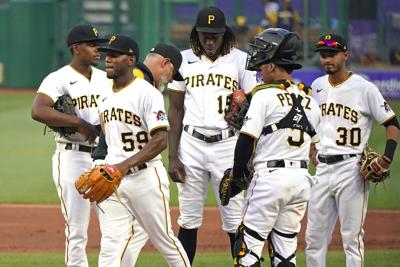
x: 330, y: 43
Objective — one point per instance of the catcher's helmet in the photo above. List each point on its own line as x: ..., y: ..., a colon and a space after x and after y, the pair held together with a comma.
x: 274, y: 45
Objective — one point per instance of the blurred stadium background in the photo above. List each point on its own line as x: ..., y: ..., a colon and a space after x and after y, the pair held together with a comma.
x: 33, y: 32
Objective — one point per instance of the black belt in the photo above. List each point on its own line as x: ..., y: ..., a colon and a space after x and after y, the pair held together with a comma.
x: 334, y: 158
x: 281, y: 164
x: 208, y: 139
x: 137, y: 168
x: 82, y: 148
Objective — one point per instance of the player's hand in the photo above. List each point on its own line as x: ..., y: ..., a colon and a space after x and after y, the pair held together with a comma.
x: 88, y: 131
x: 176, y: 170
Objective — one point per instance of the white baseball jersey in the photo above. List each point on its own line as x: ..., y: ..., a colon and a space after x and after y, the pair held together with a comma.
x: 129, y: 116
x: 347, y: 112
x: 207, y: 85
x: 269, y: 106
x: 86, y: 95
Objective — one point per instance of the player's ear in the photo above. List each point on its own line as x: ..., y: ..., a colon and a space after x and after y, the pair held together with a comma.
x: 131, y: 60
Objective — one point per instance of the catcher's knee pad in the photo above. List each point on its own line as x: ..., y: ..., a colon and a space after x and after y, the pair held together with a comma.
x: 241, y: 250
x: 284, y: 262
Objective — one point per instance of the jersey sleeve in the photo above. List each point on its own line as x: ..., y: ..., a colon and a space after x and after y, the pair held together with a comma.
x: 378, y: 106
x: 155, y: 116
x: 255, y: 117
x: 52, y: 86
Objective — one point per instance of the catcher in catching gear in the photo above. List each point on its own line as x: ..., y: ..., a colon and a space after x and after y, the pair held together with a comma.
x: 99, y: 183
x: 372, y: 166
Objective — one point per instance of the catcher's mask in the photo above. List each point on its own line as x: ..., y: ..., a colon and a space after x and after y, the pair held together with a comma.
x: 274, y: 45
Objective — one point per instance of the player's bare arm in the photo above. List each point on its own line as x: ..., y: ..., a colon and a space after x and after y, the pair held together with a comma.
x: 313, y: 154
x: 392, y: 136
x: 42, y: 111
x: 155, y: 146
x: 175, y: 116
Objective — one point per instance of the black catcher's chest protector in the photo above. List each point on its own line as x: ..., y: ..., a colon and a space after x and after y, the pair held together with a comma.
x: 295, y: 119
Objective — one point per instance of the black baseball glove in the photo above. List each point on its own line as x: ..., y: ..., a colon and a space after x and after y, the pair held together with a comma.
x: 230, y: 187
x: 65, y: 105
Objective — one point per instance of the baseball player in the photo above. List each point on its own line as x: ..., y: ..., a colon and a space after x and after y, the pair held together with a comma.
x: 135, y: 126
x: 348, y: 103
x: 201, y: 144
x: 85, y: 84
x: 280, y: 124
x: 134, y: 237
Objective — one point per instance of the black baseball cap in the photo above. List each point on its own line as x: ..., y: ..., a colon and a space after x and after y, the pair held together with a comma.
x: 173, y: 54
x: 84, y: 33
x: 122, y: 44
x: 331, y: 43
x: 211, y: 20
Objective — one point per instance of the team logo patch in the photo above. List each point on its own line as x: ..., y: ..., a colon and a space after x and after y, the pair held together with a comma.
x: 160, y: 115
x: 386, y: 106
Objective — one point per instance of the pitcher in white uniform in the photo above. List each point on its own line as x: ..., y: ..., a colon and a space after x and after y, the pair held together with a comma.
x: 135, y: 127
x: 86, y: 85
x: 348, y: 104
x: 278, y: 131
x: 201, y: 143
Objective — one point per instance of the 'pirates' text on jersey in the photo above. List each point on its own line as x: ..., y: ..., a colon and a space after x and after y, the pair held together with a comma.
x: 347, y: 117
x: 86, y: 94
x: 129, y: 116
x: 208, y: 84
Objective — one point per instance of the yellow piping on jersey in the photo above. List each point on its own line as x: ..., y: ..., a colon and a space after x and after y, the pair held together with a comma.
x: 282, y: 85
x: 138, y: 73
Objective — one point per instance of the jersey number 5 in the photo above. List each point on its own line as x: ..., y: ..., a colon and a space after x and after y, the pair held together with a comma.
x: 221, y: 107
x: 128, y: 140
x: 297, y: 138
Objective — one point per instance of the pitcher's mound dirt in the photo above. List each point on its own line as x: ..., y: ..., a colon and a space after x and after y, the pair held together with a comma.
x: 40, y: 228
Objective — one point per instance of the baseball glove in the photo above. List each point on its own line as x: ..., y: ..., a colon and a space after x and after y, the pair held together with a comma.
x: 370, y: 169
x: 65, y: 105
x: 230, y: 187
x: 99, y: 183
x: 237, y: 109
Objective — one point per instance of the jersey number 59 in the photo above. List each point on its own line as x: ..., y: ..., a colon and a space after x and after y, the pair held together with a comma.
x: 128, y: 139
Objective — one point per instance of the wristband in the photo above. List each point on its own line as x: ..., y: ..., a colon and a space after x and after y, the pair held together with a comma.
x: 390, y: 148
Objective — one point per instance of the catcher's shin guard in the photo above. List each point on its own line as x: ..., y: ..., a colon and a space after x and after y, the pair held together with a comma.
x: 241, y: 249
x: 284, y: 262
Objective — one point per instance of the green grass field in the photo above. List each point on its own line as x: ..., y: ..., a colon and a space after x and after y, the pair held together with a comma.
x: 26, y: 159
x: 25, y: 168
x: 372, y: 259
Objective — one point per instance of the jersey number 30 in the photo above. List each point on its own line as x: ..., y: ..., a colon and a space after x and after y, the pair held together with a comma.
x: 349, y: 136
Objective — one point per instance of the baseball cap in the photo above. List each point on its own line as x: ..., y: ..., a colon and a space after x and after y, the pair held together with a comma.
x: 122, y: 44
x: 331, y: 42
x: 173, y: 54
x: 84, y: 33
x: 210, y: 19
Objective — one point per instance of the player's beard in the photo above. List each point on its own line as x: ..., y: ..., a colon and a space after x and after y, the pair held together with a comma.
x: 163, y: 83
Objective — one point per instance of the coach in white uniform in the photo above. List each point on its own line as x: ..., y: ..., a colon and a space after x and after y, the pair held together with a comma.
x: 135, y: 127
x: 348, y: 104
x: 84, y: 84
x: 280, y: 126
x: 201, y: 143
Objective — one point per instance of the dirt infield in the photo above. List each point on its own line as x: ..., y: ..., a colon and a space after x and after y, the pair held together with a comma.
x: 40, y: 228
